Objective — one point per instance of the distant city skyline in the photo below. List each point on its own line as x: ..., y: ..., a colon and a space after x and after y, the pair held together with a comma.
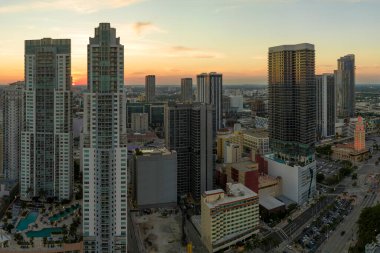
x: 176, y: 39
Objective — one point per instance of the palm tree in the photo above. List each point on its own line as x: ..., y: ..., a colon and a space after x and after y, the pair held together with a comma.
x: 42, y: 193
x: 29, y: 190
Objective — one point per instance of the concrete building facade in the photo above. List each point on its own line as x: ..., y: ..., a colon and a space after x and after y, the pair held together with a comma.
x: 210, y: 91
x: 189, y: 131
x: 140, y: 122
x: 228, y: 217
x: 186, y: 90
x: 12, y: 97
x: 104, y: 152
x: 325, y: 104
x: 154, y: 179
x: 46, y: 136
x: 150, y: 88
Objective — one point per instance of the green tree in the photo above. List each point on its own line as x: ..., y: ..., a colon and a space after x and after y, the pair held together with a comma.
x: 369, y: 226
x: 320, y: 177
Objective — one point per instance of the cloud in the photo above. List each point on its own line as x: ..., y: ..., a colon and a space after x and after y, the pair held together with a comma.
x: 182, y: 51
x: 83, y: 6
x: 141, y: 27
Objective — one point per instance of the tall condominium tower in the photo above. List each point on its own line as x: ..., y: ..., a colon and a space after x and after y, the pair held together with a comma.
x: 46, y: 137
x: 210, y: 91
x: 186, y: 90
x: 189, y: 129
x: 345, y: 87
x: 202, y: 143
x: 104, y: 146
x: 325, y: 104
x: 291, y: 96
x: 292, y: 119
x: 150, y: 88
x: 12, y: 122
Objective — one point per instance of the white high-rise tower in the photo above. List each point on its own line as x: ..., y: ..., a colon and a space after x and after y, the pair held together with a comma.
x: 46, y: 137
x: 104, y: 151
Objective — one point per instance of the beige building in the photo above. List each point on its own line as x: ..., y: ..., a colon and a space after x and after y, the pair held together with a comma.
x: 257, y: 140
x: 232, y: 152
x: 139, y: 122
x: 228, y: 217
x: 226, y: 135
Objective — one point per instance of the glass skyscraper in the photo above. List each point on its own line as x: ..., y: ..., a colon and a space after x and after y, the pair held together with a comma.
x: 292, y: 105
x: 345, y: 87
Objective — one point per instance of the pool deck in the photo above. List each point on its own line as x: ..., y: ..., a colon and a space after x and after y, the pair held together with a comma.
x: 42, y: 222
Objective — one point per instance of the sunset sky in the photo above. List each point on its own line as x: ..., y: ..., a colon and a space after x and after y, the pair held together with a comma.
x: 181, y: 38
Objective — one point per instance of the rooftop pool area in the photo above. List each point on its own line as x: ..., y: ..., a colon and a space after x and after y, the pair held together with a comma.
x: 24, y: 222
x: 46, y: 232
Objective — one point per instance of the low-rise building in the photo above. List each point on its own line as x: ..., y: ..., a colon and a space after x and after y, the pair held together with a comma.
x: 269, y: 185
x: 226, y: 135
x: 232, y: 152
x: 356, y: 151
x: 257, y: 141
x: 154, y: 178
x: 228, y: 217
x: 298, y: 180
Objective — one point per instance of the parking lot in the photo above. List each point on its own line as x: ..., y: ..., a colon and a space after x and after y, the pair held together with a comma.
x: 318, y: 231
x: 328, y: 168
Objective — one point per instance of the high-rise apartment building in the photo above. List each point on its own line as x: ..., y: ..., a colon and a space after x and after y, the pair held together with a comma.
x: 189, y: 131
x: 345, y: 87
x: 210, y: 91
x: 292, y: 119
x: 104, y: 152
x: 291, y: 96
x: 202, y: 144
x: 178, y: 138
x: 140, y: 122
x: 186, y: 90
x: 150, y: 88
x: 325, y: 104
x: 12, y: 125
x: 46, y: 136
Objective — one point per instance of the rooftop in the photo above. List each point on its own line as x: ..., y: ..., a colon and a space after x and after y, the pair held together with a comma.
x: 245, y: 165
x: 266, y: 180
x: 302, y: 46
x: 269, y: 202
x: 258, y: 132
x: 235, y: 192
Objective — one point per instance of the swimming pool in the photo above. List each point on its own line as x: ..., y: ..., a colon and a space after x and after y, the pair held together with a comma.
x: 67, y: 212
x: 46, y: 232
x: 29, y: 219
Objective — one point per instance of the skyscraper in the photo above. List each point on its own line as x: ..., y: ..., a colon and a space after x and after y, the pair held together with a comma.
x: 291, y: 96
x: 150, y: 88
x: 12, y: 122
x: 202, y: 144
x: 190, y: 133
x: 46, y: 137
x: 325, y: 104
x: 186, y: 90
x: 345, y: 87
x: 104, y: 150
x: 178, y: 138
x: 292, y: 119
x: 210, y: 91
